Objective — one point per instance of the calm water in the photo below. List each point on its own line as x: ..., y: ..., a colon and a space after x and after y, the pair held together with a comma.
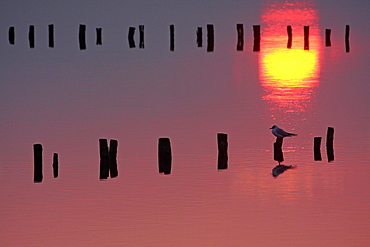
x: 67, y: 99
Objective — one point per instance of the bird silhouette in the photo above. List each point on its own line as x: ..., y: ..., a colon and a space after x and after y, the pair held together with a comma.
x: 280, y: 133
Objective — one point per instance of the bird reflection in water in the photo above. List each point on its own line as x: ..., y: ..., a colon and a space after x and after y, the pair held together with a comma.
x: 279, y: 169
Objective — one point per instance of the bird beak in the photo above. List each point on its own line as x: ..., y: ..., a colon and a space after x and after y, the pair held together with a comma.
x: 271, y: 128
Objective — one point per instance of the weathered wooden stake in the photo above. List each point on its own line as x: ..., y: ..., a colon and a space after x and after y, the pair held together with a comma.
x: 55, y: 165
x: 210, y: 38
x: 31, y: 36
x: 131, y: 41
x: 327, y: 37
x: 317, y: 148
x: 81, y: 37
x: 222, y: 151
x: 99, y: 40
x: 172, y: 37
x: 104, y: 159
x: 51, y: 35
x: 164, y: 155
x: 141, y: 38
x: 11, y: 35
x: 306, y: 37
x: 347, y: 38
x: 199, y: 37
x: 278, y: 151
x: 329, y: 144
x: 240, y: 30
x: 37, y: 163
x: 257, y: 37
x: 113, y: 144
x: 290, y: 37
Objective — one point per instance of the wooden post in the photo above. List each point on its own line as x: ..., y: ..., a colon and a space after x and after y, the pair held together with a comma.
x: 131, y: 41
x: 164, y: 155
x: 99, y: 36
x: 306, y: 37
x: 199, y: 37
x: 104, y: 159
x: 11, y: 35
x: 210, y: 38
x: 347, y: 38
x: 81, y: 37
x: 317, y: 148
x: 51, y: 35
x: 37, y: 163
x: 222, y: 151
x: 240, y: 30
x: 31, y: 36
x: 113, y: 144
x: 278, y: 151
x: 327, y: 37
x: 329, y: 144
x: 55, y: 165
x: 172, y: 37
x: 290, y: 37
x: 141, y: 38
x: 257, y: 37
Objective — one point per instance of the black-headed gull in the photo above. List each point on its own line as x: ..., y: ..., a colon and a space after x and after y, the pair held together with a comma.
x: 280, y: 132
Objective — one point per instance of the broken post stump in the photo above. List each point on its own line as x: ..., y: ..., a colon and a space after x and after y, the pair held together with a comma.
x: 210, y: 38
x: 290, y: 37
x: 164, y: 155
x: 172, y: 37
x: 37, y: 163
x: 222, y: 151
x: 327, y: 37
x: 11, y: 34
x: 131, y: 41
x: 329, y: 144
x: 55, y: 165
x: 141, y: 36
x: 240, y: 30
x: 199, y: 37
x: 113, y: 144
x: 99, y: 40
x: 317, y: 148
x: 104, y: 159
x: 256, y: 37
x: 278, y: 150
x: 81, y: 37
x: 347, y: 38
x: 31, y: 36
x: 51, y: 35
x: 306, y: 30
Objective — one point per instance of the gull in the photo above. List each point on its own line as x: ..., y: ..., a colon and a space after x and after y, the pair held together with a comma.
x: 280, y: 133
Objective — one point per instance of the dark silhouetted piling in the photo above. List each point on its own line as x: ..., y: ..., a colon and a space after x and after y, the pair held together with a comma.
x: 290, y: 37
x: 327, y: 37
x: 55, y: 165
x: 317, y: 148
x: 113, y: 144
x: 99, y: 40
x: 82, y: 37
x: 222, y: 151
x: 37, y: 163
x: 131, y: 41
x: 51, y: 35
x: 172, y: 37
x: 104, y: 159
x: 141, y: 36
x: 11, y: 35
x: 31, y: 36
x: 199, y: 37
x: 306, y: 30
x: 347, y: 38
x: 329, y: 144
x: 210, y: 38
x: 164, y: 155
x: 256, y: 37
x: 240, y: 30
x: 278, y: 150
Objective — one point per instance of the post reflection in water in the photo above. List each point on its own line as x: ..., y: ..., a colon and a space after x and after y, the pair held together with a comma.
x: 289, y: 76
